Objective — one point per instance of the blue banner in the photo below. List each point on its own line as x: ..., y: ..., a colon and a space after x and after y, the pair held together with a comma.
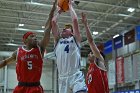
x: 108, y: 47
x: 118, y: 42
x: 129, y: 91
x: 137, y: 32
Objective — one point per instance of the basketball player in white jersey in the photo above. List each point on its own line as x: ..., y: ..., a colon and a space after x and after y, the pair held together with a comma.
x: 67, y: 51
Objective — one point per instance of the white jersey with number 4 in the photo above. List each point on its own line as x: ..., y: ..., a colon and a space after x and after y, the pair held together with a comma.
x: 68, y: 56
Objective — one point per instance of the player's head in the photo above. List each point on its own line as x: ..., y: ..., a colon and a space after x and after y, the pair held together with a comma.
x: 93, y: 58
x: 67, y: 31
x: 30, y: 39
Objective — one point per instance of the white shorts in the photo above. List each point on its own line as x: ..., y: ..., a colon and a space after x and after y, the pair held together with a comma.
x: 72, y: 83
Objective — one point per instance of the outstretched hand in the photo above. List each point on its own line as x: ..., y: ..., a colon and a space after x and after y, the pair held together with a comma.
x: 90, y: 57
x: 59, y: 10
x: 70, y: 3
x: 84, y: 19
x: 48, y: 23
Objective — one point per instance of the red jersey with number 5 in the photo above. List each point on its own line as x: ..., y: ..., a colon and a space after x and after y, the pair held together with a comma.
x: 29, y: 65
x: 96, y: 79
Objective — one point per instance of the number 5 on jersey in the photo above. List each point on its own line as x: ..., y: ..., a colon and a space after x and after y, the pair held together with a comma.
x: 30, y: 65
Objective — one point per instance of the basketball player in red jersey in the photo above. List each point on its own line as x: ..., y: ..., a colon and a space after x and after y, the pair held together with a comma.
x: 96, y: 79
x: 67, y: 52
x: 29, y: 59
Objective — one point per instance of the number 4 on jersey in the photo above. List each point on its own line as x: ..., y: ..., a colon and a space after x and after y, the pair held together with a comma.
x: 67, y: 49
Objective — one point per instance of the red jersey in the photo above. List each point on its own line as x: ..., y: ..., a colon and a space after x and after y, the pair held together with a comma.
x: 29, y: 65
x: 96, y: 79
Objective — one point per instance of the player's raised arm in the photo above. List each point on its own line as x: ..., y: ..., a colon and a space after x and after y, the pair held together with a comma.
x: 48, y: 27
x: 92, y: 44
x: 9, y: 60
x: 76, y: 31
x: 55, y: 29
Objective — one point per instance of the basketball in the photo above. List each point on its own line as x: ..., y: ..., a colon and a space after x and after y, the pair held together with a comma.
x: 64, y: 5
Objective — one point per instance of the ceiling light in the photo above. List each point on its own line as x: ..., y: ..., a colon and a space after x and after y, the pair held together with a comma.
x: 20, y: 24
x: 23, y: 29
x: 43, y: 26
x: 36, y: 3
x: 116, y: 36
x: 95, y: 33
x: 124, y: 15
x: 39, y: 30
x: 11, y: 44
x: 131, y: 9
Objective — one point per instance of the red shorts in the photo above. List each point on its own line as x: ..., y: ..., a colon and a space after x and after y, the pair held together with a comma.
x: 23, y: 89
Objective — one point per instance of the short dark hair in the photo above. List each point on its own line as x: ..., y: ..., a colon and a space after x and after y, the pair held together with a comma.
x: 69, y: 26
x: 103, y: 55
